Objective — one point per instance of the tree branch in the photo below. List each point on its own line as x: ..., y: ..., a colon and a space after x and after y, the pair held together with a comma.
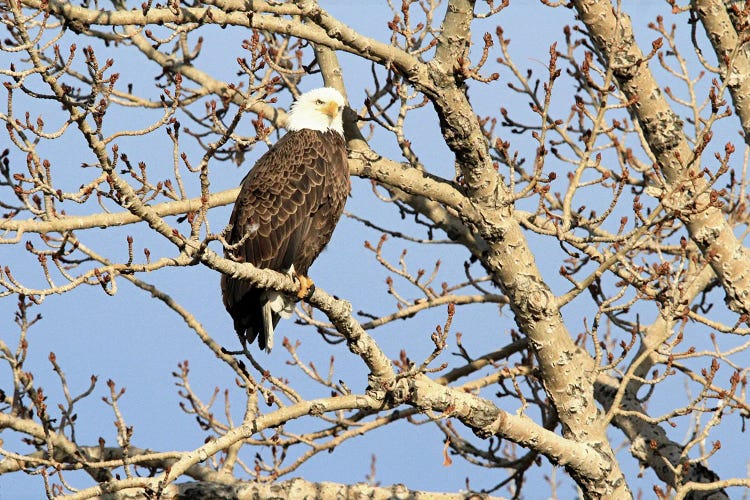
x: 612, y: 33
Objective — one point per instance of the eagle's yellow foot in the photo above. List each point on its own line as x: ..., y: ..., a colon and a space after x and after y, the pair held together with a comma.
x: 306, y: 287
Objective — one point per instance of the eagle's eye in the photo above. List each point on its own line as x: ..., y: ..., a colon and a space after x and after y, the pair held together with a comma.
x: 319, y: 102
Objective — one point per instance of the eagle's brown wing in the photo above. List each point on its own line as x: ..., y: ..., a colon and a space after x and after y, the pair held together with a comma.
x: 288, y: 206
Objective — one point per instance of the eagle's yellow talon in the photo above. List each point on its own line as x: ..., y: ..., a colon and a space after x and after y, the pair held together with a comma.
x: 305, y: 285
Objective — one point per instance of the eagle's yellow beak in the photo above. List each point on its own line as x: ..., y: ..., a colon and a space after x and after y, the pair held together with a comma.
x: 330, y: 108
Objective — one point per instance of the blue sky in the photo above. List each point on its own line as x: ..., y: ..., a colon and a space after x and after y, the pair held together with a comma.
x: 137, y: 342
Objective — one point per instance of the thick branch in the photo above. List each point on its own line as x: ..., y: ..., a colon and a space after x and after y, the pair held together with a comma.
x: 612, y: 33
x: 650, y: 444
x: 733, y: 56
x: 487, y: 420
x: 295, y: 489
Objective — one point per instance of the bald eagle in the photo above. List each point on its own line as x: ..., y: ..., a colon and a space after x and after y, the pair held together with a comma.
x: 287, y: 209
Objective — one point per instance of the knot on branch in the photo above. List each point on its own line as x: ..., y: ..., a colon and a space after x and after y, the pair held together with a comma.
x: 357, y: 346
x: 395, y: 391
x: 491, y: 428
x: 625, y: 62
x: 492, y: 231
x: 626, y: 67
x: 378, y: 388
x: 539, y: 302
x: 707, y: 235
x: 400, y: 391
x: 76, y: 26
x: 317, y: 409
x: 736, y: 298
x: 663, y: 130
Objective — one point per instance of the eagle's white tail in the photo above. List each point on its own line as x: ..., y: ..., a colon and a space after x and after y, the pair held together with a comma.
x: 275, y: 303
x: 281, y: 304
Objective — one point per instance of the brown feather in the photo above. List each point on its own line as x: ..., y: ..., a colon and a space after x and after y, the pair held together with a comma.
x: 293, y: 198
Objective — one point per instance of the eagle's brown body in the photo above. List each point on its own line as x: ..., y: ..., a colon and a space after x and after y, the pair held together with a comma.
x: 287, y: 209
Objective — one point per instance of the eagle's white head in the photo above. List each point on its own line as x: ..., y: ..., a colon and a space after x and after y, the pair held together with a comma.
x: 318, y: 109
